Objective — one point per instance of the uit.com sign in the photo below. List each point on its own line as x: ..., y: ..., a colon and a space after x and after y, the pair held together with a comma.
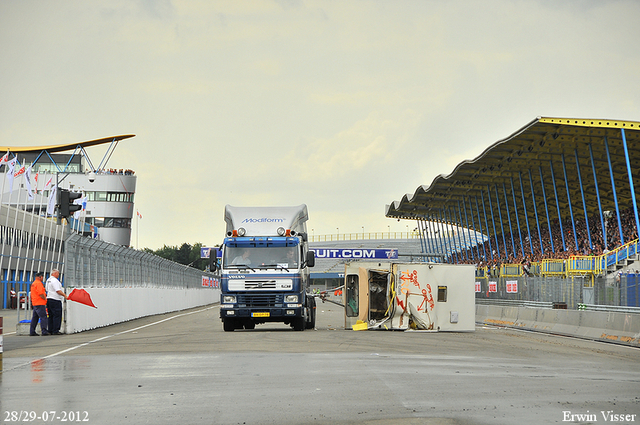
x: 371, y: 254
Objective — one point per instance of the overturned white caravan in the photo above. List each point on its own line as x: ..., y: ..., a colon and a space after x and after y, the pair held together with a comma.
x: 402, y: 296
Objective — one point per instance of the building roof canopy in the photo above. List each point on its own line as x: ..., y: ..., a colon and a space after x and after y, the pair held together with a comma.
x: 515, y: 170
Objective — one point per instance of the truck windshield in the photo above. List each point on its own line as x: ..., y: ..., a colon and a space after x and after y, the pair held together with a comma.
x: 262, y: 257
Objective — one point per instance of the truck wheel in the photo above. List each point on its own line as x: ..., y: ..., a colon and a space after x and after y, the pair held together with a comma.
x: 311, y: 323
x: 249, y: 324
x: 298, y: 324
x: 228, y: 325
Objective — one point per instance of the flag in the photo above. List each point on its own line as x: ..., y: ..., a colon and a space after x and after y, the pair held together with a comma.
x: 5, y: 158
x: 48, y: 184
x: 51, y: 207
x: 27, y: 176
x: 11, y: 166
x: 138, y: 213
x: 81, y: 296
x: 20, y: 171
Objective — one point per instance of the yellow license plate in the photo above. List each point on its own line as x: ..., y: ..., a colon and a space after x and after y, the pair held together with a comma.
x: 260, y: 314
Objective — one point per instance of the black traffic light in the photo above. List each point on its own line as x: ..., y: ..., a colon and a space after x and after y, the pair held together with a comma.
x: 66, y: 207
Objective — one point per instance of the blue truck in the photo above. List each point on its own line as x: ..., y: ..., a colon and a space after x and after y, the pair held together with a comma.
x: 264, y: 268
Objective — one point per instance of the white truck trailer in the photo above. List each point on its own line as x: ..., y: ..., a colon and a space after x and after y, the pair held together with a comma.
x: 265, y: 268
x: 401, y: 296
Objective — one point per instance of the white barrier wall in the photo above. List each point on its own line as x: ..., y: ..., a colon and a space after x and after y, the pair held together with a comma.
x: 622, y: 328
x: 117, y: 305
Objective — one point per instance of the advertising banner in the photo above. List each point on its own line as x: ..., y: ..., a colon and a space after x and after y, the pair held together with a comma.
x: 357, y: 253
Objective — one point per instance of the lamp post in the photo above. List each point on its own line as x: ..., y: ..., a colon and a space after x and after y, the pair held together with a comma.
x: 363, y: 232
x: 338, y: 235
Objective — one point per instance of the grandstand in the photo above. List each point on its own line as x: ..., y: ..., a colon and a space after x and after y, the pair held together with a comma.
x: 558, y: 196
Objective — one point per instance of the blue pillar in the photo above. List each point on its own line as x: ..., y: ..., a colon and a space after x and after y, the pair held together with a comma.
x: 535, y: 212
x: 515, y: 208
x: 506, y: 205
x: 484, y: 248
x: 464, y: 238
x: 486, y: 223
x: 546, y: 208
x: 613, y: 186
x: 452, y: 213
x: 423, y: 228
x: 423, y: 240
x: 466, y: 217
x: 433, y: 242
x: 451, y: 240
x: 493, y: 220
x: 595, y: 180
x: 566, y: 184
x: 504, y: 240
x: 526, y: 213
x: 633, y: 192
x: 555, y: 191
x: 584, y: 204
x: 443, y: 246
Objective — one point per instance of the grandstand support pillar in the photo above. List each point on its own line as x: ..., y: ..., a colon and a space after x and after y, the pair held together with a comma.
x: 526, y: 213
x: 515, y: 208
x: 566, y: 185
x: 613, y: 186
x: 464, y: 237
x: 460, y: 232
x: 633, y: 192
x: 443, y: 246
x: 493, y: 221
x: 504, y: 240
x: 584, y: 204
x: 546, y: 207
x: 506, y: 206
x: 486, y: 223
x: 429, y: 237
x: 475, y: 232
x: 452, y: 220
x: 447, y: 239
x: 595, y: 180
x: 535, y: 211
x: 555, y: 192
x: 420, y: 236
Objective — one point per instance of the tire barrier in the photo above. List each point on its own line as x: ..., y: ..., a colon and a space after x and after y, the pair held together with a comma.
x: 620, y: 328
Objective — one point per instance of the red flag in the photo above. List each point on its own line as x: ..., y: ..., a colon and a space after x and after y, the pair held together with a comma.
x: 81, y: 296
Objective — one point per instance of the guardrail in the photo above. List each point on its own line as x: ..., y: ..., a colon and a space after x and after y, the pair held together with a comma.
x: 515, y: 303
x: 611, y: 308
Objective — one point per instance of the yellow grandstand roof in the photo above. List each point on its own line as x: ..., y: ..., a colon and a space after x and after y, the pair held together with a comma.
x: 563, y: 150
x: 65, y: 147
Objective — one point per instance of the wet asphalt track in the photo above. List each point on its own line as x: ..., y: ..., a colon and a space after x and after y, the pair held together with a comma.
x: 181, y: 368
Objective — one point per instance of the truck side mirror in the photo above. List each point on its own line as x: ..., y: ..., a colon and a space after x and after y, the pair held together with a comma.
x: 311, y: 258
x: 213, y: 260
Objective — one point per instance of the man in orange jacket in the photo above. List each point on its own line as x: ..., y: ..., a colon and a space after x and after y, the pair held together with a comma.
x: 39, y: 301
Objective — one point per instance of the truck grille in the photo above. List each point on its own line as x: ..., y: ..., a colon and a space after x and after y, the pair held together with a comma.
x: 260, y: 300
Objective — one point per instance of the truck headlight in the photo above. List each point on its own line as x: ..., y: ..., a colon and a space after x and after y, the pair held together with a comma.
x: 229, y: 299
x: 291, y: 299
x: 242, y: 231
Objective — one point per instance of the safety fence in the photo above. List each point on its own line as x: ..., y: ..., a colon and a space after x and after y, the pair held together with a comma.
x: 577, y: 265
x: 562, y: 293
x: 90, y: 263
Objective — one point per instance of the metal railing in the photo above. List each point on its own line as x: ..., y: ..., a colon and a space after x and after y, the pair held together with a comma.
x: 363, y: 236
x: 90, y: 263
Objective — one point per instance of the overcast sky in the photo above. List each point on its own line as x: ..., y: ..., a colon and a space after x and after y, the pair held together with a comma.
x: 342, y: 105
